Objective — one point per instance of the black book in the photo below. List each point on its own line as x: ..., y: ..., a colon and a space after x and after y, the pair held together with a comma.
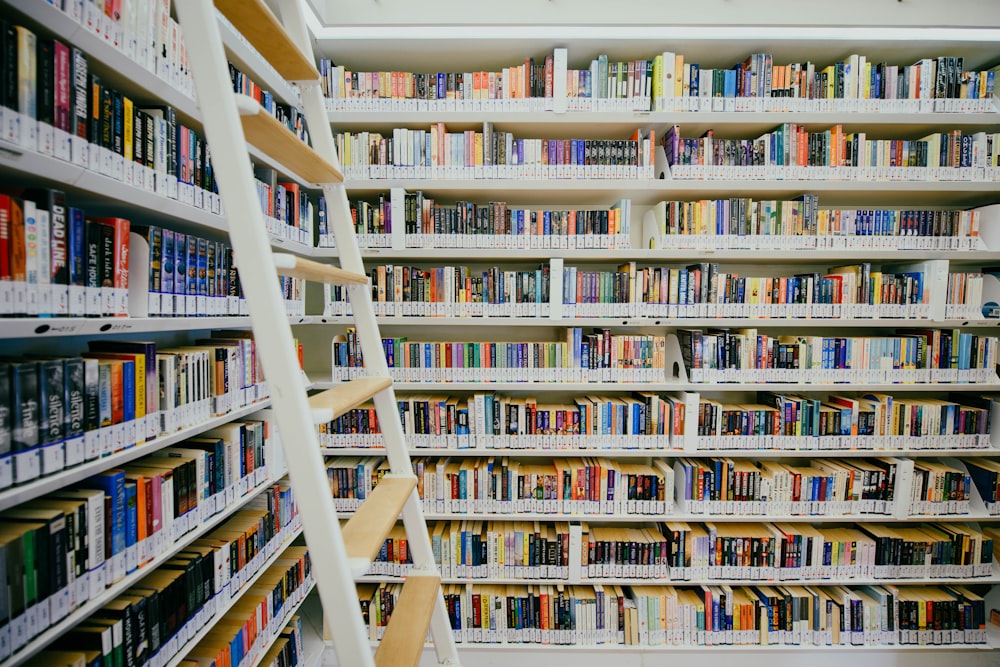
x: 25, y: 408
x: 118, y: 123
x: 52, y: 403
x: 8, y: 69
x: 45, y: 80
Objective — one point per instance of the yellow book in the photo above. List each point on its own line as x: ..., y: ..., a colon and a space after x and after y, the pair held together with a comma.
x: 128, y: 130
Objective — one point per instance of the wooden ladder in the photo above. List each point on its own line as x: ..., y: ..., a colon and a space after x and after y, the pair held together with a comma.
x: 231, y: 122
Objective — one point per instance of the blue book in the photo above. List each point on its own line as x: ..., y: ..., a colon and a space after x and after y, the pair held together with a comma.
x: 76, y: 255
x: 112, y: 483
x: 167, y: 270
x: 131, y: 523
x: 180, y: 268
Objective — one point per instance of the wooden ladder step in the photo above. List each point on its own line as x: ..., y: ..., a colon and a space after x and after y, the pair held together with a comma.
x: 266, y: 33
x: 365, y: 532
x: 300, y: 267
x: 267, y: 133
x: 406, y: 633
x: 330, y: 404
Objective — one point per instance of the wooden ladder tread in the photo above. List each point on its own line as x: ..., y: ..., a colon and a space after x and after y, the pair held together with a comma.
x: 300, y: 267
x: 404, y: 637
x: 365, y: 532
x: 332, y: 403
x: 255, y: 21
x: 267, y: 133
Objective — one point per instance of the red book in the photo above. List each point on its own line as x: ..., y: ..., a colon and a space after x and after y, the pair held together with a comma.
x: 62, y: 86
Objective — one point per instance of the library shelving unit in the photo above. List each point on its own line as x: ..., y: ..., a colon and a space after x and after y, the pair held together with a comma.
x: 146, y: 196
x: 391, y: 48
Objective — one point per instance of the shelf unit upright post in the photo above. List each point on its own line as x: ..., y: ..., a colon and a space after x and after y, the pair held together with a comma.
x: 340, y: 554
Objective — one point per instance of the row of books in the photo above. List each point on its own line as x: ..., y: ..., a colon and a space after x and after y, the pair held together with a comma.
x: 526, y: 86
x: 747, y: 224
x: 699, y: 290
x: 781, y: 418
x: 60, y: 107
x: 678, y: 421
x: 667, y: 83
x: 287, y: 651
x: 56, y: 261
x: 610, y: 615
x: 185, y: 276
x: 573, y: 486
x: 790, y: 551
x: 791, y: 151
x: 705, y: 290
x: 61, y: 550
x: 60, y: 412
x: 597, y: 356
x: 427, y: 224
x: 260, y: 616
x: 643, y: 420
x: 713, y: 487
x: 744, y: 355
x: 492, y: 153
x: 525, y: 550
x: 823, y: 487
x: 152, y: 622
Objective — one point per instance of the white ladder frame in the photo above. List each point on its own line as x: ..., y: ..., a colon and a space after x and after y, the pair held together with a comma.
x: 274, y: 340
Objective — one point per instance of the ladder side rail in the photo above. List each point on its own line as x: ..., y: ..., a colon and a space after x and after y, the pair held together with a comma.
x: 251, y: 248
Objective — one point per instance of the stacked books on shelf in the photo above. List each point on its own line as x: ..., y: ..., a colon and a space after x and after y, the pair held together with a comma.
x: 251, y: 626
x: 427, y: 223
x: 700, y: 615
x: 746, y: 355
x: 596, y: 357
x: 63, y: 109
x: 670, y: 82
x: 642, y: 421
x: 491, y: 153
x: 749, y: 224
x: 792, y: 152
x: 452, y: 291
x: 526, y: 86
x: 63, y: 411
x: 154, y: 620
x: 840, y: 422
x: 65, y: 549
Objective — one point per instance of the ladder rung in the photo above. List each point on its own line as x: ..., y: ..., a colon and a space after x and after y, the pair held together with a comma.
x: 404, y: 637
x: 300, y: 267
x: 265, y: 32
x: 366, y: 530
x: 330, y: 404
x: 280, y: 144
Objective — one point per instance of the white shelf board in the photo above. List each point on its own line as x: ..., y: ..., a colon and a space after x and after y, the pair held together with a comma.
x: 470, y: 255
x: 42, y: 485
x: 220, y: 613
x: 776, y: 322
x: 575, y: 387
x: 472, y: 452
x: 110, y: 593
x: 49, y: 327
